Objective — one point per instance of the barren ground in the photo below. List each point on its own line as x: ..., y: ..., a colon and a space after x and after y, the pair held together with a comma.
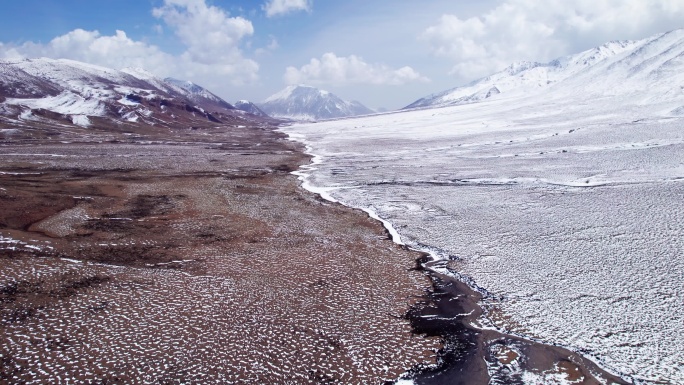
x: 192, y: 257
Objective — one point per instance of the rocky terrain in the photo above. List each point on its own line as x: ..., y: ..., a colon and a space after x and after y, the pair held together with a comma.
x: 191, y: 257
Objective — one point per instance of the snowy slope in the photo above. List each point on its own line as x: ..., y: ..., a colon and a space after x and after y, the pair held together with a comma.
x: 249, y: 107
x: 17, y: 83
x: 618, y: 67
x: 64, y: 92
x: 198, y: 94
x: 564, y: 201
x: 308, y: 103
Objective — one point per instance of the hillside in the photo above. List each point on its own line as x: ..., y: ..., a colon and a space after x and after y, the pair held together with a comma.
x: 249, y: 107
x: 624, y: 68
x: 58, y: 94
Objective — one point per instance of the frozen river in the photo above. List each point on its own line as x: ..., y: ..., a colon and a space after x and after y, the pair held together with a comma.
x: 569, y: 215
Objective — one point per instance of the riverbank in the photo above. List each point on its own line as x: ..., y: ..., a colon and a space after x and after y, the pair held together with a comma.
x: 475, y: 355
x: 193, y: 257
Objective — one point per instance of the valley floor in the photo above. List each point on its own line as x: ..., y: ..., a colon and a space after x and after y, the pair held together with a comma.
x: 193, y: 261
x: 194, y: 257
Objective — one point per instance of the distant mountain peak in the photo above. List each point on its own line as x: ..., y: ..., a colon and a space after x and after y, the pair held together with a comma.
x: 294, y: 90
x: 249, y: 107
x: 304, y: 102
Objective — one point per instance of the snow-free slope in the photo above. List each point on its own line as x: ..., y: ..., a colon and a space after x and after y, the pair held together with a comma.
x: 61, y: 93
x: 564, y: 202
x: 618, y: 67
x: 308, y: 103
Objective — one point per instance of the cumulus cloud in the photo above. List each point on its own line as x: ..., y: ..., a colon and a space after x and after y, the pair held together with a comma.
x: 282, y: 7
x: 542, y: 30
x: 115, y: 51
x: 334, y: 70
x: 210, y: 36
x: 209, y: 33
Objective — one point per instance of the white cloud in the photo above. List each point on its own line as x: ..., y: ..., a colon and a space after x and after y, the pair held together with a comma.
x: 542, y: 30
x: 209, y: 33
x: 334, y: 70
x: 272, y: 46
x: 282, y: 7
x: 211, y: 39
x: 115, y: 51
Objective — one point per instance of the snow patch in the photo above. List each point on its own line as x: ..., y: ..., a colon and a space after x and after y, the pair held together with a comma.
x: 66, y: 103
x: 80, y: 120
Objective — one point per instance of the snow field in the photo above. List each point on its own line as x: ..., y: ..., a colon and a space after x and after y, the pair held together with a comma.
x: 569, y: 215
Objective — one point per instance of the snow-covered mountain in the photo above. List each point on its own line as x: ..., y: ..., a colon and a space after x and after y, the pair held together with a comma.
x: 199, y: 95
x: 308, y: 103
x: 655, y: 64
x: 247, y: 106
x: 62, y: 93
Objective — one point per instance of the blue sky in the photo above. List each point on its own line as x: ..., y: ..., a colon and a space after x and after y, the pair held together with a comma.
x: 384, y: 53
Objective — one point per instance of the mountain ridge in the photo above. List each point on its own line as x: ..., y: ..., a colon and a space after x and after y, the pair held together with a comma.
x: 616, y: 67
x: 58, y: 93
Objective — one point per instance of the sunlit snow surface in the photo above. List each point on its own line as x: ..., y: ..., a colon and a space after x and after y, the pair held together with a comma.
x: 570, y: 213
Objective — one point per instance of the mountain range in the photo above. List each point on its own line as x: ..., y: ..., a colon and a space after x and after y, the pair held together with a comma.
x: 61, y: 93
x: 64, y: 93
x: 652, y: 68
x: 301, y: 102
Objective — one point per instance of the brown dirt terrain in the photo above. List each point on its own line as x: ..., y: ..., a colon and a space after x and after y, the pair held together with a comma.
x: 191, y: 257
